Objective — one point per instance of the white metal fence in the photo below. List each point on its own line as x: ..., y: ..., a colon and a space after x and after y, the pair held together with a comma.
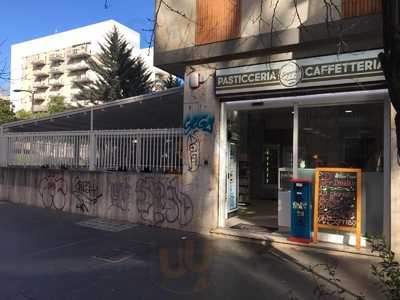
x: 156, y: 150
x: 149, y: 150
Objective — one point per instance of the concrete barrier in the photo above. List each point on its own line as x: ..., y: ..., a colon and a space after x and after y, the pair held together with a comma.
x: 152, y: 199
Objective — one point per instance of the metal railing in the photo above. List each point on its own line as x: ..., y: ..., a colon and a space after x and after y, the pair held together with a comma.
x: 57, y: 56
x: 52, y: 150
x: 56, y: 82
x: 140, y: 150
x: 79, y: 51
x: 56, y: 70
x: 41, y: 84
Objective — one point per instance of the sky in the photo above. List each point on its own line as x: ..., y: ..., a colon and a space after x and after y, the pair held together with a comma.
x: 22, y: 20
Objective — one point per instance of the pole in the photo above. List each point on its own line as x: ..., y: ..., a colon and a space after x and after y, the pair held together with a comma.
x: 92, y: 145
x: 296, y: 141
x: 3, y: 148
x: 33, y: 101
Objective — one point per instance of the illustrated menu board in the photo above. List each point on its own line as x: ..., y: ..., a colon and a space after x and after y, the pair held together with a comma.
x: 337, y: 202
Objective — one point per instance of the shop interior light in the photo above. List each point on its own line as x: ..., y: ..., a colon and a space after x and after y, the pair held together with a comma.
x: 349, y: 111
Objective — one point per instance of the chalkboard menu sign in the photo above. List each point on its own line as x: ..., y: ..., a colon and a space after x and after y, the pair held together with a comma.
x: 337, y: 202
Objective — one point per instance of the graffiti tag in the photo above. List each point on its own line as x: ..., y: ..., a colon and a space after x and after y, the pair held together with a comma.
x: 193, y: 127
x: 203, y: 122
x: 86, y: 192
x: 53, y: 191
x: 120, y: 193
x: 160, y: 202
x: 193, y: 145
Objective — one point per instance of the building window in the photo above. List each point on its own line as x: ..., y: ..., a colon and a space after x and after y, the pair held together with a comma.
x: 217, y: 21
x: 356, y: 8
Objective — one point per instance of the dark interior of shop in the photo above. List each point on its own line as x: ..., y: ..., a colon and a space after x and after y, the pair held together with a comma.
x: 349, y: 136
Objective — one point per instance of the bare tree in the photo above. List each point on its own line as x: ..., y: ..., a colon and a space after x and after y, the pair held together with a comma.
x: 4, y: 74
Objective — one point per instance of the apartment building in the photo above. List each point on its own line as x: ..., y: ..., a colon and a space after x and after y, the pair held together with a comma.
x: 53, y: 65
x: 279, y: 93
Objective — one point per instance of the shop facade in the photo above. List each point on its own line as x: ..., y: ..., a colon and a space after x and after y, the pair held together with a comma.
x: 247, y: 147
x: 264, y: 106
x: 271, y: 141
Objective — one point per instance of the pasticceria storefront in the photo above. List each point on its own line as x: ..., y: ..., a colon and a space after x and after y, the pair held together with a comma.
x: 325, y: 121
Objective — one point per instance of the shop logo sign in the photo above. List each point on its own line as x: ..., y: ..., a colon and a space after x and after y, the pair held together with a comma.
x: 349, y: 68
x: 291, y: 74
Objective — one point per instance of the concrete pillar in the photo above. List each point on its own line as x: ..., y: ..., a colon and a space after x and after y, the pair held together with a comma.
x: 92, y: 145
x: 92, y: 151
x: 201, y: 148
x: 3, y: 148
x: 394, y: 188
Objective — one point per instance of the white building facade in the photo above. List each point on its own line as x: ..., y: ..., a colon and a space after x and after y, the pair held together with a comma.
x: 53, y: 65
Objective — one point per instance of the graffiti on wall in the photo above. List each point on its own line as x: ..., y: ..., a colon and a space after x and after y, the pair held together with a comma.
x: 193, y: 150
x: 159, y: 201
x: 120, y: 192
x: 199, y: 122
x: 86, y: 192
x: 194, y: 127
x: 53, y: 191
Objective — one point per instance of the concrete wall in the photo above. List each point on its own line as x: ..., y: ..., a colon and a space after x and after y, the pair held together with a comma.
x: 175, y: 46
x: 175, y: 31
x: 309, y: 12
x: 159, y: 200
x: 201, y: 144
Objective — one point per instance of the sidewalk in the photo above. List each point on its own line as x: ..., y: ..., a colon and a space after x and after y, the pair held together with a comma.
x: 45, y: 254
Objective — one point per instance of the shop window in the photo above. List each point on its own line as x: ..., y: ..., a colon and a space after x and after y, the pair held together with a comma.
x: 217, y: 20
x: 356, y: 8
x: 348, y: 136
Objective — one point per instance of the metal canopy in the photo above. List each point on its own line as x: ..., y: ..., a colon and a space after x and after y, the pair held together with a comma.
x: 155, y: 110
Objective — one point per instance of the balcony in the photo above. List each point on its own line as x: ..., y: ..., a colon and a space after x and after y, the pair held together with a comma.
x: 44, y: 72
x: 81, y: 66
x: 44, y: 84
x: 56, y: 82
x: 38, y: 61
x: 40, y: 97
x: 57, y: 57
x: 81, y: 79
x: 79, y: 51
x: 56, y: 70
x: 55, y: 94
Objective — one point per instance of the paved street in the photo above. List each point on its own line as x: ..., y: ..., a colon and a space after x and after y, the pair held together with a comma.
x: 45, y: 254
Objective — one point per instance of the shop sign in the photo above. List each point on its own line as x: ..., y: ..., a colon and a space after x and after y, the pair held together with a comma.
x: 349, y: 68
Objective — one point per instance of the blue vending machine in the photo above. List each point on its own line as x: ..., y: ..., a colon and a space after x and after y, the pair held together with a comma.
x: 301, y: 211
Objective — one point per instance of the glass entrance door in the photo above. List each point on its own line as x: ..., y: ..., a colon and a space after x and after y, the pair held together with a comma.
x: 271, y: 161
x: 259, y: 144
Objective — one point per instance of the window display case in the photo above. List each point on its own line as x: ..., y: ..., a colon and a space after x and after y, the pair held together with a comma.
x: 284, y: 198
